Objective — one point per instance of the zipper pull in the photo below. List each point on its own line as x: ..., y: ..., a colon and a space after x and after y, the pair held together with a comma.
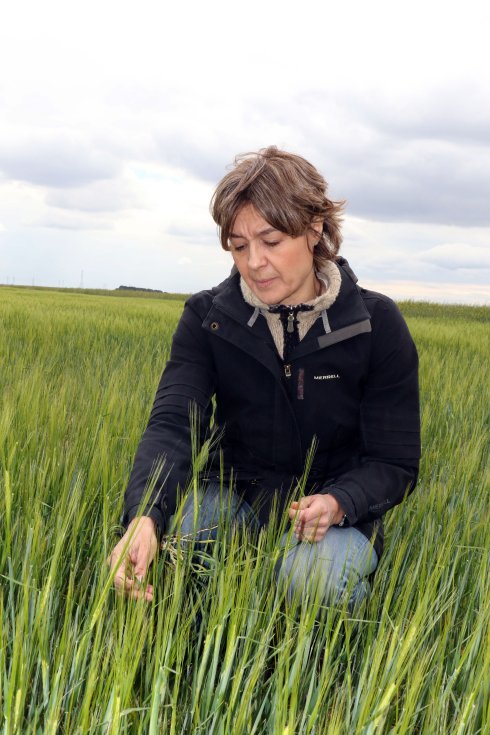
x: 291, y: 322
x: 287, y: 370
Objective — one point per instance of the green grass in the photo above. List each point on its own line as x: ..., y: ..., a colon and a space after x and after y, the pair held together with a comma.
x: 221, y: 651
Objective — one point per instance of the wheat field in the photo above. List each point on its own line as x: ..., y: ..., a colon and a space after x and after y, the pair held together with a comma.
x: 219, y: 650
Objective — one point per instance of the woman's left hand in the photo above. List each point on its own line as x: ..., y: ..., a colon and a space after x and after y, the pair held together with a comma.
x: 313, y: 515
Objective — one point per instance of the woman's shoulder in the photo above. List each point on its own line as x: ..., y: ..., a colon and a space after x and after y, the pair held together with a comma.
x: 379, y: 304
x: 387, y: 321
x: 352, y: 287
x: 376, y: 300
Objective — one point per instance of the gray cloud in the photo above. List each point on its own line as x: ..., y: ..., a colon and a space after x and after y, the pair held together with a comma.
x: 107, y: 195
x: 194, y: 235
x: 66, y: 221
x: 205, y: 159
x: 455, y: 113
x: 424, y: 159
x: 455, y: 256
x: 56, y: 161
x: 424, y: 181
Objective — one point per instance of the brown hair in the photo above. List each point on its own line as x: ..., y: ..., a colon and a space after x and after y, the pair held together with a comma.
x: 287, y: 191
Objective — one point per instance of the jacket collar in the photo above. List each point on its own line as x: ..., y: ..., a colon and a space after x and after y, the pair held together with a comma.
x: 347, y: 309
x: 348, y: 317
x: 229, y: 301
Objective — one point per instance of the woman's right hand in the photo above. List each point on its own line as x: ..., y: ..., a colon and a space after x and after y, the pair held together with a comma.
x: 132, y: 564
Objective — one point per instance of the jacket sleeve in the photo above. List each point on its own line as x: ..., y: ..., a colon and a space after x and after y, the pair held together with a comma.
x: 389, y: 423
x: 164, y: 455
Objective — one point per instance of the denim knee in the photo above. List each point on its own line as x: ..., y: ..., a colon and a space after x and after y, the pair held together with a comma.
x: 211, y: 508
x: 331, y: 570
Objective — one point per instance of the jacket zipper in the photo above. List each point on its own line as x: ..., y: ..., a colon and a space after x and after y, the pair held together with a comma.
x: 290, y: 329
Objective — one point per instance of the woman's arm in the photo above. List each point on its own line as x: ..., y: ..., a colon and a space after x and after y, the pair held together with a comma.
x: 164, y: 455
x: 389, y: 422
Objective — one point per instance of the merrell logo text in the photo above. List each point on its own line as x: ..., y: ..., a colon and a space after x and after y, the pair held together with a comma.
x: 332, y: 376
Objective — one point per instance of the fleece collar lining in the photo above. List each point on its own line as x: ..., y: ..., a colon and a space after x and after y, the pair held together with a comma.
x: 331, y: 280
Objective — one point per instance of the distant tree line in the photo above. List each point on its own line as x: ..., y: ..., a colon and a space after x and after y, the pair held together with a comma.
x: 136, y: 288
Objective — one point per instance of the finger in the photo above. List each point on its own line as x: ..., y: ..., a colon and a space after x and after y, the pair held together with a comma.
x: 139, y: 583
x: 297, y: 515
x: 297, y: 507
x: 315, y: 521
x: 140, y: 595
x: 124, y: 574
x: 134, y: 553
x: 114, y: 558
x: 315, y: 534
x: 311, y: 514
x: 310, y: 508
x: 132, y: 587
x: 136, y: 589
x: 122, y: 583
x: 311, y: 538
x: 318, y: 523
x: 141, y: 563
x: 306, y: 538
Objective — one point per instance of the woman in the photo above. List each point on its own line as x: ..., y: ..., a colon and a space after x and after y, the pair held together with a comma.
x: 295, y: 354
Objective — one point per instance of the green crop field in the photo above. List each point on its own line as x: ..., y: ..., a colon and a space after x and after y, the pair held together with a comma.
x: 219, y: 651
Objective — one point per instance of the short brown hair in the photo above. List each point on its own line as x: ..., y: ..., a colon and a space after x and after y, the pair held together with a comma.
x: 287, y: 191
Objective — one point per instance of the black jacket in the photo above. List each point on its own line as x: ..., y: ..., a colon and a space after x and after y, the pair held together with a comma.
x: 354, y: 389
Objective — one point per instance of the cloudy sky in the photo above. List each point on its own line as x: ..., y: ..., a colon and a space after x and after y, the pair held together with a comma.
x: 117, y: 119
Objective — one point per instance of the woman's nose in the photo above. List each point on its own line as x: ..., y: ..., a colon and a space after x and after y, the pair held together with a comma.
x: 256, y: 256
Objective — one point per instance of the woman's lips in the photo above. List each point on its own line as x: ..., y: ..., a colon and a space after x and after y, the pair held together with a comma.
x: 265, y: 283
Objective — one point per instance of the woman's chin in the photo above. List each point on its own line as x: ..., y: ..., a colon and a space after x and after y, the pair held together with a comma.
x: 267, y: 299
x: 266, y: 292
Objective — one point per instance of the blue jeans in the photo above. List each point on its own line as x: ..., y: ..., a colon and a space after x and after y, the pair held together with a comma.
x: 336, y: 567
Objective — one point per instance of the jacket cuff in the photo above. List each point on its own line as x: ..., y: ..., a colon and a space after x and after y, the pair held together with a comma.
x: 354, y: 510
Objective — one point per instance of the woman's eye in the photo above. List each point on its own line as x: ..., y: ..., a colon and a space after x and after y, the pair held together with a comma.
x: 271, y: 242
x: 238, y: 248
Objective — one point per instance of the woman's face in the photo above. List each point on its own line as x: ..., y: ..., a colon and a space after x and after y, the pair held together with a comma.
x: 276, y: 267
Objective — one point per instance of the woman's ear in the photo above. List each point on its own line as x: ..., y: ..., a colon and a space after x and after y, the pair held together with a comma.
x: 316, y: 231
x: 318, y: 226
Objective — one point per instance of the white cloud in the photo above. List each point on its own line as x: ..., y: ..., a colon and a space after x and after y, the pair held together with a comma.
x: 383, y: 252
x: 58, y: 158
x: 108, y: 195
x: 205, y: 235
x: 117, y: 120
x: 73, y: 221
x: 455, y: 256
